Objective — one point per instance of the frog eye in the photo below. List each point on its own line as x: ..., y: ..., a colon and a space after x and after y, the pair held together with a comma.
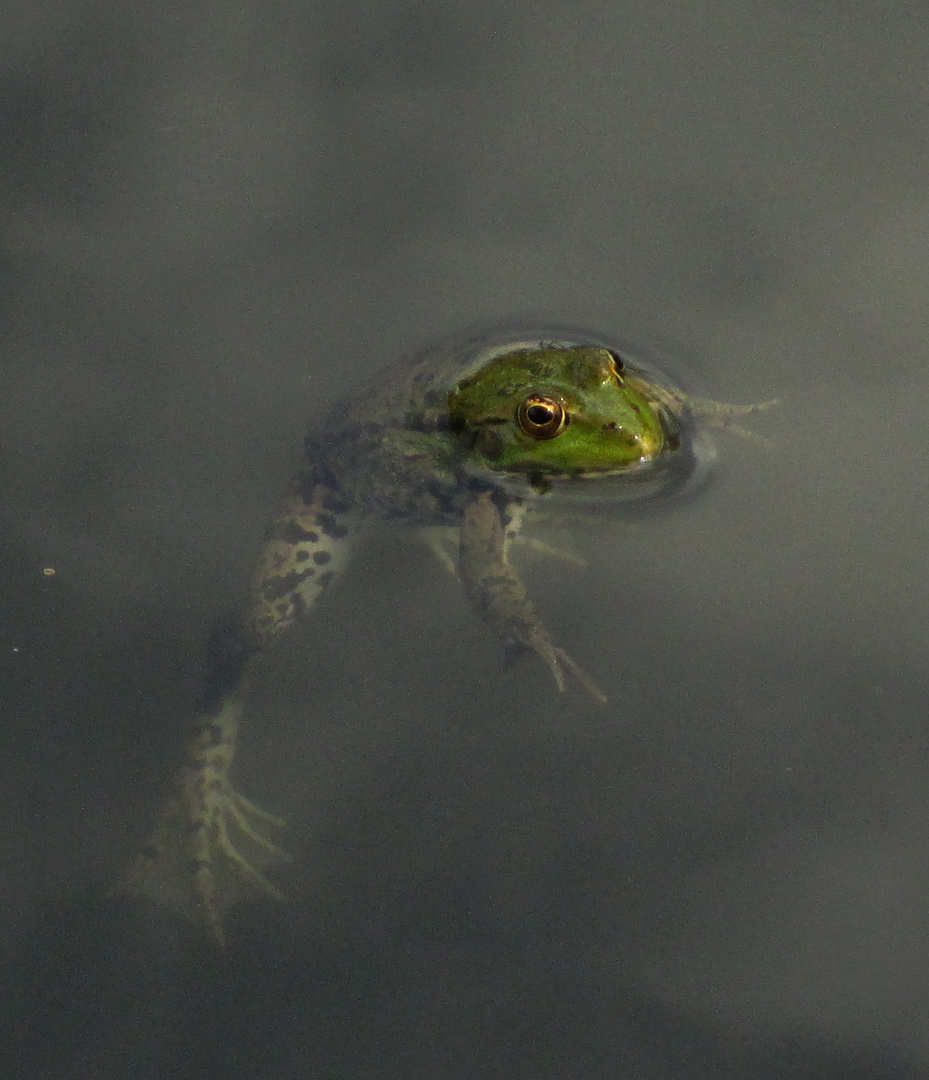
x: 541, y: 417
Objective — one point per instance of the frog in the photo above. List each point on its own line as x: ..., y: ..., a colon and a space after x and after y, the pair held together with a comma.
x: 467, y: 436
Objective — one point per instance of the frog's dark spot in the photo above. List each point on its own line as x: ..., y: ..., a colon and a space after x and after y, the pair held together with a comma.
x: 539, y: 482
x: 292, y: 532
x: 272, y: 588
x: 321, y: 557
x: 331, y: 527
x: 502, y: 501
x: 489, y: 444
x: 427, y: 424
x: 302, y: 555
x: 336, y: 502
x: 441, y: 499
x: 611, y: 426
x: 324, y: 579
x: 348, y: 435
x: 280, y: 588
x: 307, y: 484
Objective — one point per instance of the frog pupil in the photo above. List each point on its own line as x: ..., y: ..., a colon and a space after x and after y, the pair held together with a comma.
x: 541, y: 417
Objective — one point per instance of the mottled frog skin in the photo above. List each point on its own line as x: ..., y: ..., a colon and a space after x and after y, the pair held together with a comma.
x: 467, y: 434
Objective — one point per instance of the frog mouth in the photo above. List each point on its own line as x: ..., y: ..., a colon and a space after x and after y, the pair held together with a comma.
x: 677, y: 470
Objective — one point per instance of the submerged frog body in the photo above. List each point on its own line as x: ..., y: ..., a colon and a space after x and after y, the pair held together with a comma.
x: 467, y: 434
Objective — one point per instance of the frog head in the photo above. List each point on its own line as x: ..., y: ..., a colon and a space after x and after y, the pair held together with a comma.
x: 558, y: 410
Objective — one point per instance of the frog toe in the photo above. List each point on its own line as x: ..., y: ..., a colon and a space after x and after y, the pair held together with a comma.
x: 241, y: 810
x: 248, y: 820
x: 563, y: 660
x: 236, y: 814
x: 559, y: 662
x: 204, y: 857
x: 540, y: 547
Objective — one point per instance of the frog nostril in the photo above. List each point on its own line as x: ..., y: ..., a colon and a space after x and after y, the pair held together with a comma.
x: 623, y: 435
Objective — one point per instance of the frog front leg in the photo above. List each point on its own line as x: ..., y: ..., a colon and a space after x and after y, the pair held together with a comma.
x: 498, y: 593
x: 211, y: 844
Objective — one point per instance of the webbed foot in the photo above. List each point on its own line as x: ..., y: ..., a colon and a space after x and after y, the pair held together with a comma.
x: 209, y: 848
x: 210, y: 845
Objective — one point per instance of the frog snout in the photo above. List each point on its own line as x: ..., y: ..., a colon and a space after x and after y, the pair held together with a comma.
x: 642, y: 444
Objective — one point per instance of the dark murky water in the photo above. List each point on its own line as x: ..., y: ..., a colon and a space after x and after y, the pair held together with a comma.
x: 215, y: 220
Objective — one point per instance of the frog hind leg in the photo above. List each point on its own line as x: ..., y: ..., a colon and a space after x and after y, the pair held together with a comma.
x: 211, y: 845
x: 498, y: 593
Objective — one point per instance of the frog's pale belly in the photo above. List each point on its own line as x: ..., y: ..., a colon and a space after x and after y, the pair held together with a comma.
x: 461, y: 436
